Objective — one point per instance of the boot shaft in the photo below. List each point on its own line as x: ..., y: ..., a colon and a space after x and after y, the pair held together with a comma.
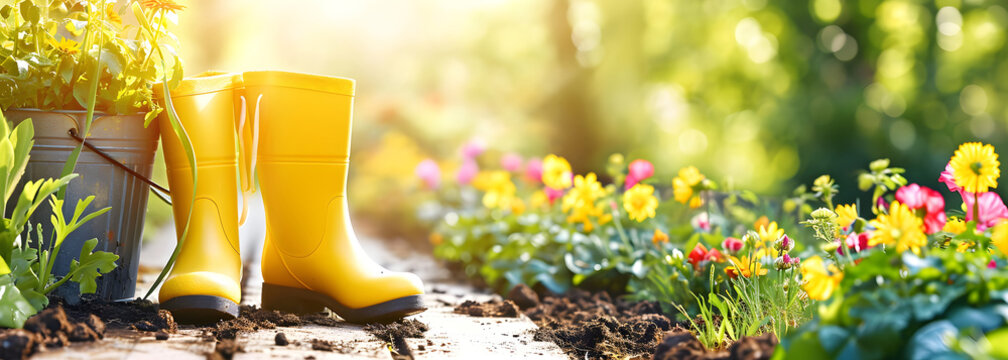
x: 302, y: 118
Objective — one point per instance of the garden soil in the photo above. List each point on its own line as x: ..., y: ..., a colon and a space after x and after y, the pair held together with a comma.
x: 596, y: 326
x: 60, y: 324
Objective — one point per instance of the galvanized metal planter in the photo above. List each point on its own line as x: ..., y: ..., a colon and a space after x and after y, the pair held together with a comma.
x: 124, y: 139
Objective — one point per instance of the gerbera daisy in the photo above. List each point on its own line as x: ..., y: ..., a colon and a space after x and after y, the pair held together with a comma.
x: 975, y: 167
x: 900, y: 227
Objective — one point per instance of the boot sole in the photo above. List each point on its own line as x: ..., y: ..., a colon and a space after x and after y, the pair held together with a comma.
x: 301, y: 301
x: 201, y: 309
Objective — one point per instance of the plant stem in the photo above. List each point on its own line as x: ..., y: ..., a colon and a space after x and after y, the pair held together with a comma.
x: 619, y: 229
x: 71, y: 163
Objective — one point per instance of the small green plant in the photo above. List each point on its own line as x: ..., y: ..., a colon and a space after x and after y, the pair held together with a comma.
x: 715, y: 328
x: 26, y: 265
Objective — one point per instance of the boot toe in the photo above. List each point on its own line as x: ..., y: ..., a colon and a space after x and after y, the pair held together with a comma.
x: 200, y: 283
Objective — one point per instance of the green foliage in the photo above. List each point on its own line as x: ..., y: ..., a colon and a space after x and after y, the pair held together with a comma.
x: 26, y: 272
x: 712, y: 331
x: 893, y: 305
x: 51, y: 49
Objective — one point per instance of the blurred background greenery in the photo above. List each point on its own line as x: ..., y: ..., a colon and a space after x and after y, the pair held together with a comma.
x: 761, y: 94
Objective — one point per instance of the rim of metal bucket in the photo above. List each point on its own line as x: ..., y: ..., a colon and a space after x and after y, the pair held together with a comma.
x: 160, y: 191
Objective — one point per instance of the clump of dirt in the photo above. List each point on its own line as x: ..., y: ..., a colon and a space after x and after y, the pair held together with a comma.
x: 139, y: 315
x: 252, y: 318
x: 523, y: 296
x: 597, y: 326
x: 395, y: 334
x: 493, y: 308
x: 405, y: 328
x: 51, y: 328
x: 681, y: 344
x: 281, y: 339
x: 605, y: 337
x: 225, y: 350
x: 754, y: 347
x: 18, y: 343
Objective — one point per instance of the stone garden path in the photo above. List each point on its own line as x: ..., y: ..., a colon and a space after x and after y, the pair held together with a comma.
x: 451, y: 336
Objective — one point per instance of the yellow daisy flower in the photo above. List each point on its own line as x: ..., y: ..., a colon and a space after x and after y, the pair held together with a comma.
x: 539, y: 200
x: 65, y: 46
x: 900, y: 228
x: 846, y: 214
x: 640, y: 202
x: 691, y: 175
x: 769, y: 233
x: 498, y: 190
x: 964, y: 246
x: 581, y: 202
x: 819, y: 280
x: 556, y: 172
x: 975, y: 167
x: 683, y: 186
x: 954, y: 225
x: 745, y: 267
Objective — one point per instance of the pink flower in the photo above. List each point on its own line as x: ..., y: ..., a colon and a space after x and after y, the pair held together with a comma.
x: 533, y: 170
x: 511, y: 162
x: 429, y: 172
x: 992, y: 264
x: 467, y: 172
x: 701, y: 221
x: 920, y: 197
x: 855, y: 243
x: 948, y: 179
x: 553, y: 194
x: 472, y: 149
x: 882, y: 203
x: 992, y: 209
x: 637, y: 171
x: 732, y: 245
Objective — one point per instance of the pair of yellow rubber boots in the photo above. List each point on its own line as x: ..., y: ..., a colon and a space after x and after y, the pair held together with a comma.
x: 293, y: 130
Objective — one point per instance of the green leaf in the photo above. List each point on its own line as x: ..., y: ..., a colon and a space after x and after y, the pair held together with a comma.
x: 23, y: 140
x: 29, y: 11
x: 23, y: 262
x: 14, y: 308
x: 931, y: 341
x: 91, y: 266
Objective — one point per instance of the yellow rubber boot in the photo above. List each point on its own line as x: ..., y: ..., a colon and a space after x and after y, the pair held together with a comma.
x: 204, y: 286
x: 311, y: 258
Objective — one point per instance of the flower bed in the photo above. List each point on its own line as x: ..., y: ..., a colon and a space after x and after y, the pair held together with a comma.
x: 904, y: 276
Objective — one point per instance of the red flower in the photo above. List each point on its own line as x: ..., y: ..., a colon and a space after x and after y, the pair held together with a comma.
x: 855, y: 243
x: 919, y: 197
x: 732, y: 245
x: 700, y: 254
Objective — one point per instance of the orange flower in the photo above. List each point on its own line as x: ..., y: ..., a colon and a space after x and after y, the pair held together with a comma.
x: 167, y: 5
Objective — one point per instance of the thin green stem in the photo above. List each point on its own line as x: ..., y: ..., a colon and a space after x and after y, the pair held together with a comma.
x: 619, y: 229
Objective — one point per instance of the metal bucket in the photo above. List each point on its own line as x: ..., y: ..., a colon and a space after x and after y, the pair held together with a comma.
x: 125, y: 139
